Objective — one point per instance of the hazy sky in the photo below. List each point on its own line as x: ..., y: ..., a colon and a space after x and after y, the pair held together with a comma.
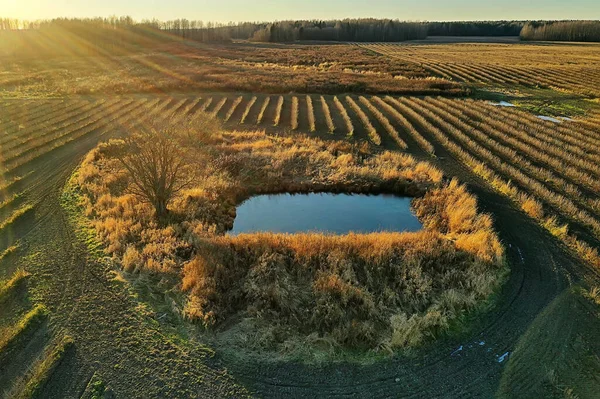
x: 267, y: 10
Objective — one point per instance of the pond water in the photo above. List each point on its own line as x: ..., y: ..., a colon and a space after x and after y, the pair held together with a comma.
x: 325, y: 212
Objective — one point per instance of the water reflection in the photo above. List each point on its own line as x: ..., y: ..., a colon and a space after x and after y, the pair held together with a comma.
x: 325, y: 212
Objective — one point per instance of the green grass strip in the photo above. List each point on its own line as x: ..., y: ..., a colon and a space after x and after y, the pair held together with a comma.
x: 15, y: 216
x: 7, y: 286
x: 8, y: 251
x: 11, y: 336
x: 42, y: 371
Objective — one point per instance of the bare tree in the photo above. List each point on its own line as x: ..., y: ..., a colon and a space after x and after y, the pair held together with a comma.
x: 158, y: 166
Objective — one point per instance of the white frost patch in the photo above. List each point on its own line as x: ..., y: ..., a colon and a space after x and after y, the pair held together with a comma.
x: 456, y: 351
x: 549, y: 119
x: 564, y: 118
x: 503, y: 357
x: 502, y: 104
x: 521, y: 255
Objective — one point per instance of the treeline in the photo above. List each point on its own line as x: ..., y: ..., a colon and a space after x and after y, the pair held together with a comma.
x: 572, y: 31
x: 114, y: 35
x: 475, y: 28
x: 349, y: 30
x: 208, y: 32
x: 117, y: 35
x: 75, y: 37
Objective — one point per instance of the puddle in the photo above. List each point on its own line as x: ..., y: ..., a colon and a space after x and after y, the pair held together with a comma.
x: 325, y: 212
x: 549, y: 119
x: 502, y: 104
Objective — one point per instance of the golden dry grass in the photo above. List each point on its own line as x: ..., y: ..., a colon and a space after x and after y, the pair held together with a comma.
x: 262, y: 110
x: 528, y: 64
x: 327, y: 113
x: 247, y: 110
x: 401, y: 287
x: 278, y: 110
x: 391, y: 281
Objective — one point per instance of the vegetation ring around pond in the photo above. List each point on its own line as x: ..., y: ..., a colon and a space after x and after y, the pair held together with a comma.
x: 295, y: 295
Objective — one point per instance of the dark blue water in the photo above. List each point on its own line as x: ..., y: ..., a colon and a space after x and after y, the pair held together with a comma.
x: 330, y: 213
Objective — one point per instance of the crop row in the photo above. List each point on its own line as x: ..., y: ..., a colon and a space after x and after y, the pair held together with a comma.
x: 503, y: 169
x: 553, y: 165
x: 449, y: 64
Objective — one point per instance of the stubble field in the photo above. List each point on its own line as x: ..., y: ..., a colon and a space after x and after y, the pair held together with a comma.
x: 538, y: 179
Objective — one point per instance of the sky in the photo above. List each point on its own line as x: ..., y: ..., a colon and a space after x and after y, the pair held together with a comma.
x: 271, y: 10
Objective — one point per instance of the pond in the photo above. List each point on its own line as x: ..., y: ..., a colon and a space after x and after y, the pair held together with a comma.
x: 325, y: 212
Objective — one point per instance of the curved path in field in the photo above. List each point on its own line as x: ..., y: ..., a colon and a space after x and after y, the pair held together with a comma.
x: 540, y: 339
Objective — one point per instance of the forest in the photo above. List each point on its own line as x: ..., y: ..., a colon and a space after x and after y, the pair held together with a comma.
x: 475, y: 28
x: 357, y: 30
x: 124, y: 34
x: 566, y: 31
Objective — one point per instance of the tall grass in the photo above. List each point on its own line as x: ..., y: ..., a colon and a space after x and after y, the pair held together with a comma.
x: 327, y: 114
x: 311, y: 114
x: 345, y: 116
x: 307, y: 282
x: 354, y: 290
x: 247, y: 110
x: 278, y: 111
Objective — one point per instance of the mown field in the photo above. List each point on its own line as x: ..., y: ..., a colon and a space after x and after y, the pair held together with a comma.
x: 564, y: 67
x: 69, y: 327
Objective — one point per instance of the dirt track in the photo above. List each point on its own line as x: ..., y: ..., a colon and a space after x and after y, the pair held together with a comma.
x: 538, y: 325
